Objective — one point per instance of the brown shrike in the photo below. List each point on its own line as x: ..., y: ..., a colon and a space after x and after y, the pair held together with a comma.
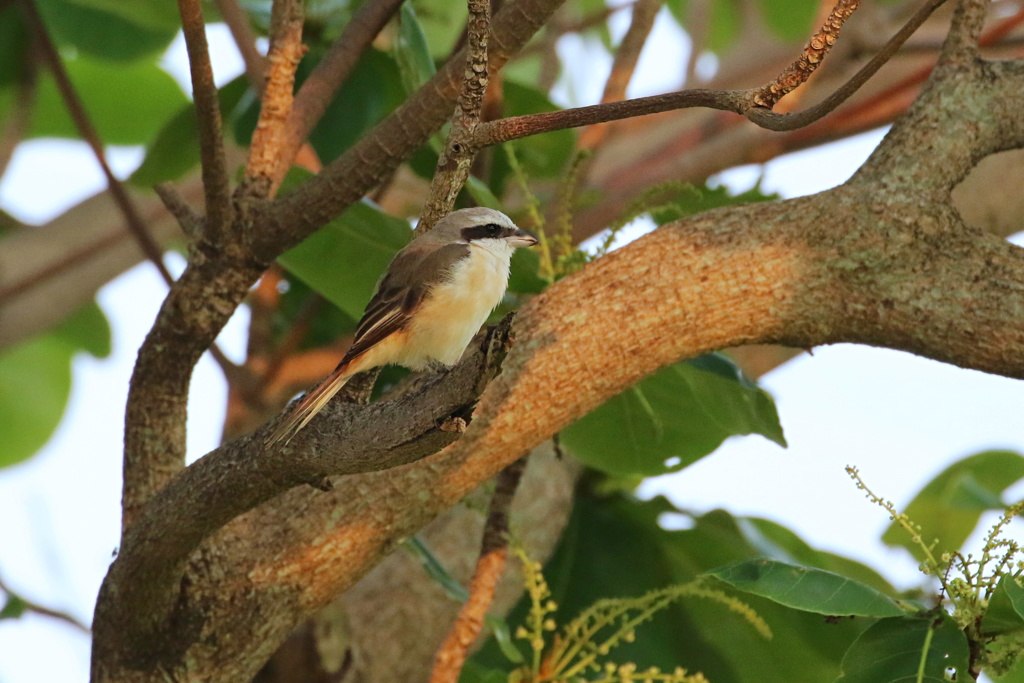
x: 429, y: 304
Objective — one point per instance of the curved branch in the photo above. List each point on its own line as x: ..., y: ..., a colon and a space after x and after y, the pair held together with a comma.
x: 241, y: 475
x: 743, y: 102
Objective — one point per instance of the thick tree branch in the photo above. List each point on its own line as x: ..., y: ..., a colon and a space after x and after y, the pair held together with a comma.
x: 219, y: 275
x: 240, y: 476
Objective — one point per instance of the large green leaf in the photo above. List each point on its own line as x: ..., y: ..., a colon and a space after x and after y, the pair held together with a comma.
x: 35, y: 381
x: 175, y: 149
x: 102, y: 33
x: 908, y: 650
x: 127, y: 103
x: 673, y: 418
x: 1005, y: 612
x: 806, y: 588
x: 949, y: 506
x: 791, y: 20
x: 614, y: 547
x: 155, y: 14
x: 411, y: 51
x: 345, y: 258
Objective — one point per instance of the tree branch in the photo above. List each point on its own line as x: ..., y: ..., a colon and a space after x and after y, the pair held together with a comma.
x: 35, y: 607
x: 294, y: 217
x: 455, y: 159
x: 268, y: 139
x: 451, y: 656
x: 215, y: 490
x: 626, y: 57
x: 238, y: 23
x: 219, y: 212
x: 133, y: 220
x: 317, y: 91
x: 743, y: 102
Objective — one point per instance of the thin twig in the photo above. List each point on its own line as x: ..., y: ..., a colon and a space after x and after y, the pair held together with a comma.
x: 217, y: 186
x: 451, y: 656
x: 318, y: 89
x: 286, y: 50
x: 241, y: 31
x: 35, y: 607
x: 737, y: 101
x: 964, y: 30
x: 20, y: 116
x: 626, y: 57
x: 136, y: 226
x: 812, y: 56
x: 189, y: 220
x: 459, y: 151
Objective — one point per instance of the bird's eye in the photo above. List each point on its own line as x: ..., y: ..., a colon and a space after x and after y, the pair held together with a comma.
x: 492, y: 229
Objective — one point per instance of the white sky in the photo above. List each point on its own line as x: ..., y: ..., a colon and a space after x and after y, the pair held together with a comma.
x: 899, y: 418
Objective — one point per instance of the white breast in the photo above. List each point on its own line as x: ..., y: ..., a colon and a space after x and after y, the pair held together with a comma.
x: 455, y: 310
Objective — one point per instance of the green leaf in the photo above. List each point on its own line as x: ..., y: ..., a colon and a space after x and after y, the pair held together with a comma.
x: 35, y: 383
x: 790, y: 20
x: 726, y: 20
x: 127, y: 103
x: 613, y: 547
x: 775, y: 541
x: 102, y: 33
x: 907, y: 650
x: 86, y: 329
x: 345, y: 258
x: 474, y: 673
x: 949, y: 506
x: 673, y: 418
x: 175, y: 149
x: 371, y: 92
x: 1005, y: 612
x: 547, y: 155
x: 154, y: 14
x: 414, y: 60
x: 442, y: 22
x: 806, y: 588
x: 13, y: 608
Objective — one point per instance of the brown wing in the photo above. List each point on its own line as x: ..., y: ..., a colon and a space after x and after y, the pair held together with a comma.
x: 407, y: 280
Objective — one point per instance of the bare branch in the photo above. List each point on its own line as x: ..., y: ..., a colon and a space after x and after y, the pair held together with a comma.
x: 286, y: 50
x: 35, y: 607
x: 190, y: 221
x: 810, y: 59
x: 626, y: 58
x: 85, y: 128
x: 219, y: 211
x: 451, y: 656
x: 454, y: 162
x: 738, y: 101
x: 962, y: 40
x: 317, y: 91
x: 238, y: 23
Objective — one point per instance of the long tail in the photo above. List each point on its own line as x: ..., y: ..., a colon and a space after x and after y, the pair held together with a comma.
x: 309, y: 405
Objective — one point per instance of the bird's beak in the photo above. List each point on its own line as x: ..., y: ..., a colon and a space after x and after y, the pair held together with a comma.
x: 522, y: 239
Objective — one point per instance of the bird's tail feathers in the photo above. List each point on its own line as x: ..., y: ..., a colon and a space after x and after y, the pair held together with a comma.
x: 308, y: 406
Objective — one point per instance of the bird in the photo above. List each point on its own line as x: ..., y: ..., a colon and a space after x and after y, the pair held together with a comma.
x: 429, y: 304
